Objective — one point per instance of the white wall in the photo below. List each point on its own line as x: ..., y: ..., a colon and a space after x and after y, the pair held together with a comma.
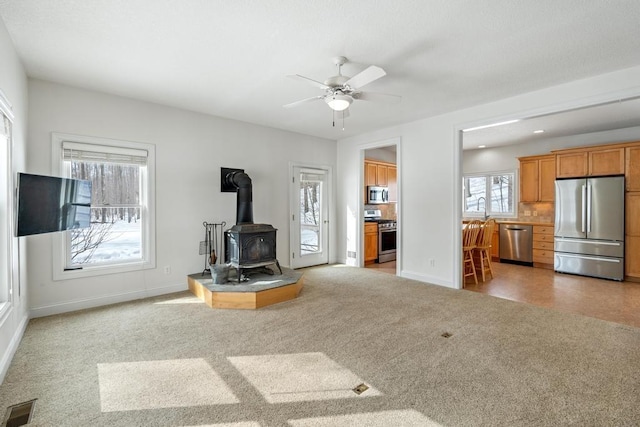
x: 190, y: 150
x: 381, y: 154
x: 13, y: 82
x: 431, y: 171
x: 506, y: 157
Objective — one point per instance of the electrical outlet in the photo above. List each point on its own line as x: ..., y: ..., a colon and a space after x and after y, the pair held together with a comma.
x: 535, y: 213
x: 167, y: 269
x: 432, y: 262
x: 527, y: 213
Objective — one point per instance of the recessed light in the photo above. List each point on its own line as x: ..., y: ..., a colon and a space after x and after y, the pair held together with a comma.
x: 482, y: 146
x: 539, y: 131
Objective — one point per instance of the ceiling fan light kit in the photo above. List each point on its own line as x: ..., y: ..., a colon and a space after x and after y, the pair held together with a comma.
x: 338, y: 102
x: 341, y: 91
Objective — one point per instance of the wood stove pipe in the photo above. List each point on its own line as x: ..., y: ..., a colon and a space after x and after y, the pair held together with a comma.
x: 244, y: 207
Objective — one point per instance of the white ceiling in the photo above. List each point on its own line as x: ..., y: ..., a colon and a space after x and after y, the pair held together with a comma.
x: 598, y: 118
x: 230, y: 58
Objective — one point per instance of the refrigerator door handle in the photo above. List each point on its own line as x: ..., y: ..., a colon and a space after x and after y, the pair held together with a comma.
x: 584, y: 207
x: 588, y: 242
x: 588, y: 208
x: 592, y: 258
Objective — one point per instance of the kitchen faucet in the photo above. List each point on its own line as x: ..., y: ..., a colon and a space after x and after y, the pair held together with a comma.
x: 485, y: 207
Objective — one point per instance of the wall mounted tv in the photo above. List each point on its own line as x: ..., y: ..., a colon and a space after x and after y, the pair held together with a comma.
x: 48, y: 203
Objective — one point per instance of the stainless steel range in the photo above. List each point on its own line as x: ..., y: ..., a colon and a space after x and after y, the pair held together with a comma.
x: 386, y: 234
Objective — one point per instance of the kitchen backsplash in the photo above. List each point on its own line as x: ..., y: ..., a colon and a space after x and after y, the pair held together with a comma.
x: 530, y: 212
x: 387, y: 210
x: 536, y: 212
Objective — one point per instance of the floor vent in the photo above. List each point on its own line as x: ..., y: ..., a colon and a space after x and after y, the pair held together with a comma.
x: 446, y: 335
x: 361, y: 388
x: 20, y: 414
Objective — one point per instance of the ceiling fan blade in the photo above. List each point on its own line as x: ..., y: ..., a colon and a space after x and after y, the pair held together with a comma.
x: 308, y: 80
x: 303, y: 101
x: 376, y: 96
x: 365, y: 77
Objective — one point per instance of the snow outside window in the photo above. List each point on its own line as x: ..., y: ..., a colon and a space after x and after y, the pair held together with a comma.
x: 120, y: 237
x: 492, y: 193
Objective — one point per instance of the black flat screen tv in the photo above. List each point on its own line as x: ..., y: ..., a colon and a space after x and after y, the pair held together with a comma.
x: 48, y: 203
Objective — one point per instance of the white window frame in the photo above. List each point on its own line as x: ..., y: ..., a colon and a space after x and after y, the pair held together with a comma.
x: 7, y: 298
x: 60, y: 240
x: 487, y: 176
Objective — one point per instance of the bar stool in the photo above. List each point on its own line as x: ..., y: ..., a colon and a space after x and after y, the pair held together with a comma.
x: 483, y: 247
x: 469, y: 241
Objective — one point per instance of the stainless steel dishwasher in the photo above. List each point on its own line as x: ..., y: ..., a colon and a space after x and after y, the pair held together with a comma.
x: 516, y: 243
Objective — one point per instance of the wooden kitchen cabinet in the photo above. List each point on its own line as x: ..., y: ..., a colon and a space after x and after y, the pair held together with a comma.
x: 632, y: 213
x: 543, y: 246
x: 632, y: 236
x: 376, y: 173
x: 571, y: 165
x: 590, y: 162
x: 632, y: 168
x: 606, y: 162
x: 495, y: 245
x: 370, y: 242
x: 392, y: 179
x: 631, y: 258
x: 381, y: 175
x: 370, y: 173
x: 537, y: 177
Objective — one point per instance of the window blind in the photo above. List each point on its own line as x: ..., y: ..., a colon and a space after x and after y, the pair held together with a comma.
x: 102, y: 154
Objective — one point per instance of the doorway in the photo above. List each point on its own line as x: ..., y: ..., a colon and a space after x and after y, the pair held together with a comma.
x: 309, y: 216
x: 380, y: 226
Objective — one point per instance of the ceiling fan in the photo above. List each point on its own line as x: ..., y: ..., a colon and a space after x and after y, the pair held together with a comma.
x: 340, y: 91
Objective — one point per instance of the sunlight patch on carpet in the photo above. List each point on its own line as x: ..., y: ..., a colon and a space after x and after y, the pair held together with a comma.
x: 161, y: 384
x: 300, y: 377
x: 405, y: 418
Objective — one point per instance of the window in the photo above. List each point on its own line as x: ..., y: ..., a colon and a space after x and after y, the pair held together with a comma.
x: 6, y: 209
x: 496, y: 187
x: 120, y: 237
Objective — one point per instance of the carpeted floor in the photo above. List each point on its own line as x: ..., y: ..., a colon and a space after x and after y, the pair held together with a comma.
x: 173, y: 361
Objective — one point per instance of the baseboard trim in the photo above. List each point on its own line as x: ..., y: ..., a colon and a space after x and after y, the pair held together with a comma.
x: 427, y: 279
x: 7, y: 357
x: 104, y: 300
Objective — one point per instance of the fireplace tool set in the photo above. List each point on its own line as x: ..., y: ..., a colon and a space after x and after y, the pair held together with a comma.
x: 212, y: 245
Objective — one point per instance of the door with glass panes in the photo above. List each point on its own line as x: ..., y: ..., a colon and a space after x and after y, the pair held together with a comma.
x: 309, y: 217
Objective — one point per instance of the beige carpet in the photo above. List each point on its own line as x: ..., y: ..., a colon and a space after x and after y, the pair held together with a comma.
x: 173, y: 361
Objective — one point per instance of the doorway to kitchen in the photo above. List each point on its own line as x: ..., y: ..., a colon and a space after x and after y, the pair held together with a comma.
x: 309, y: 215
x: 380, y: 213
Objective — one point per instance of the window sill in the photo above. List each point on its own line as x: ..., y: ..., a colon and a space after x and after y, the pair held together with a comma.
x: 59, y: 275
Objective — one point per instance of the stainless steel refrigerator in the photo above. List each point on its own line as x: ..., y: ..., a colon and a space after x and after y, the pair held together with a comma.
x: 589, y: 227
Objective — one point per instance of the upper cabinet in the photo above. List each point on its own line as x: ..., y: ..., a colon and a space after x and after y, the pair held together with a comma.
x: 537, y: 176
x: 392, y: 183
x: 382, y: 174
x: 581, y: 162
x: 376, y: 173
x: 633, y: 168
x: 370, y: 173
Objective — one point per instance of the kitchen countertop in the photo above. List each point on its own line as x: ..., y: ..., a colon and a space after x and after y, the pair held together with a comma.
x: 519, y: 222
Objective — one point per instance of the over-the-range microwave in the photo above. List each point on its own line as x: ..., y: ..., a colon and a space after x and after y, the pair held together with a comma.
x: 376, y: 195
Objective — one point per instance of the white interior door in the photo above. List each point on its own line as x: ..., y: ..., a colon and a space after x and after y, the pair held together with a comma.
x: 309, y: 217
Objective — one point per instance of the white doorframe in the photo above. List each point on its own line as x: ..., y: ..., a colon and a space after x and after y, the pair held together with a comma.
x: 397, y: 141
x: 294, y: 194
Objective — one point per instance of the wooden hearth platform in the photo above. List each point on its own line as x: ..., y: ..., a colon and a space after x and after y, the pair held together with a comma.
x: 260, y: 291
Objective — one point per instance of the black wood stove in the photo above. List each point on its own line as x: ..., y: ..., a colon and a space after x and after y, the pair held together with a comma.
x: 248, y: 245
